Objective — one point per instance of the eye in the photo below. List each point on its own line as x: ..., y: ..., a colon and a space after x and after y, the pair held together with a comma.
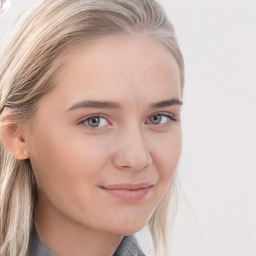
x: 161, y: 119
x: 95, y: 121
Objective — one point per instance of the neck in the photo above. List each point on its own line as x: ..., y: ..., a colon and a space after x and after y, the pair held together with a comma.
x: 66, y: 237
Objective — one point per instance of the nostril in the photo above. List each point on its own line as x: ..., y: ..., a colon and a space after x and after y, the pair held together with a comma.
x: 125, y: 162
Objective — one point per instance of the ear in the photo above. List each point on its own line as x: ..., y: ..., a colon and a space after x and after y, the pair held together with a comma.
x: 12, y: 135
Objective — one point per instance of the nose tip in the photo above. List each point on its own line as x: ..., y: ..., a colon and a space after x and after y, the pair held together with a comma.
x: 133, y: 165
x: 132, y: 154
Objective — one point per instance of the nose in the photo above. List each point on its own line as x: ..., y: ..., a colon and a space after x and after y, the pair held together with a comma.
x: 132, y: 152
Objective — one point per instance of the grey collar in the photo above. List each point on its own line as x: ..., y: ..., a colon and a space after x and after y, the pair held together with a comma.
x: 128, y: 247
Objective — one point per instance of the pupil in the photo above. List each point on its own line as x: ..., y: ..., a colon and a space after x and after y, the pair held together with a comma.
x: 94, y: 121
x: 156, y: 119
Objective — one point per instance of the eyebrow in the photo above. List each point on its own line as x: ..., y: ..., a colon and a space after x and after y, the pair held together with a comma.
x: 94, y: 104
x: 166, y: 103
x: 115, y: 105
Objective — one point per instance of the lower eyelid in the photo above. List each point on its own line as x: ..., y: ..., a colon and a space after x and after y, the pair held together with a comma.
x: 98, y: 117
x: 171, y: 117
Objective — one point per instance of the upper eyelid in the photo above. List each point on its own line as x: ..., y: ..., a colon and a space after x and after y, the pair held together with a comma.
x: 164, y: 113
x: 83, y: 119
x: 168, y: 114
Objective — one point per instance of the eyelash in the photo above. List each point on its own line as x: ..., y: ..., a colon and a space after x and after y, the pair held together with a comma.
x: 170, y: 116
x: 91, y: 117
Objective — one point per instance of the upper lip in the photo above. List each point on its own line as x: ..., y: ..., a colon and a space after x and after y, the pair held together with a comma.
x: 129, y: 186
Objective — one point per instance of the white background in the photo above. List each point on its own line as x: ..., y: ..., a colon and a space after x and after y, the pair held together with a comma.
x: 217, y: 169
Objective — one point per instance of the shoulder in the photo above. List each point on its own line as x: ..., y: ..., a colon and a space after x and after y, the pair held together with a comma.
x: 129, y: 247
x: 37, y: 247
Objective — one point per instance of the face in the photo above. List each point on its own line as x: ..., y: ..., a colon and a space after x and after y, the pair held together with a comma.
x: 105, y: 141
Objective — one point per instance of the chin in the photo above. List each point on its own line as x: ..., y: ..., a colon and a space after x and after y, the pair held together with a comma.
x: 129, y: 227
x: 126, y: 231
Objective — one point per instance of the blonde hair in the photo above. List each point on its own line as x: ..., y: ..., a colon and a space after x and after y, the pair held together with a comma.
x: 29, y: 63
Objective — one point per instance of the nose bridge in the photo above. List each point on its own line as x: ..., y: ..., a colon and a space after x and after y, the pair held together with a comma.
x: 132, y: 150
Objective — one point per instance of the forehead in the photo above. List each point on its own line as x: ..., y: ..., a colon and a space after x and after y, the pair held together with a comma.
x: 136, y: 66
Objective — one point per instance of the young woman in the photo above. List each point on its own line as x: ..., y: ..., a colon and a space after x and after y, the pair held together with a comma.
x: 90, y: 100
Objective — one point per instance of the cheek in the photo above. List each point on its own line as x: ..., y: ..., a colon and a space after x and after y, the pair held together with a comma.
x: 167, y: 154
x: 66, y: 168
x: 63, y: 159
x: 56, y: 158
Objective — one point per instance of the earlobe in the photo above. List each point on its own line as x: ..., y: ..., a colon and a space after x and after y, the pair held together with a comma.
x: 12, y: 138
x: 20, y: 156
x: 19, y: 149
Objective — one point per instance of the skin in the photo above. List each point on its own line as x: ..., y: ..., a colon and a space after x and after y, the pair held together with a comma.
x: 72, y: 160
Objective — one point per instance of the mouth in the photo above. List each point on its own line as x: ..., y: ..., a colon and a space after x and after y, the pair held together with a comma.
x: 128, y: 192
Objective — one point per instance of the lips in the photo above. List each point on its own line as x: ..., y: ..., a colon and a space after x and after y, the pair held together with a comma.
x: 129, y: 186
x: 129, y: 192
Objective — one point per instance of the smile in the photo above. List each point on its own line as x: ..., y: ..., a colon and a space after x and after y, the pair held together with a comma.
x: 129, y: 192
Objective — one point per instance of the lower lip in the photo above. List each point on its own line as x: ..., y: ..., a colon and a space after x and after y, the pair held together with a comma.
x: 129, y: 195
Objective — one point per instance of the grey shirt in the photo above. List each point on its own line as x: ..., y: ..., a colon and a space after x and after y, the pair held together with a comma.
x: 128, y: 247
